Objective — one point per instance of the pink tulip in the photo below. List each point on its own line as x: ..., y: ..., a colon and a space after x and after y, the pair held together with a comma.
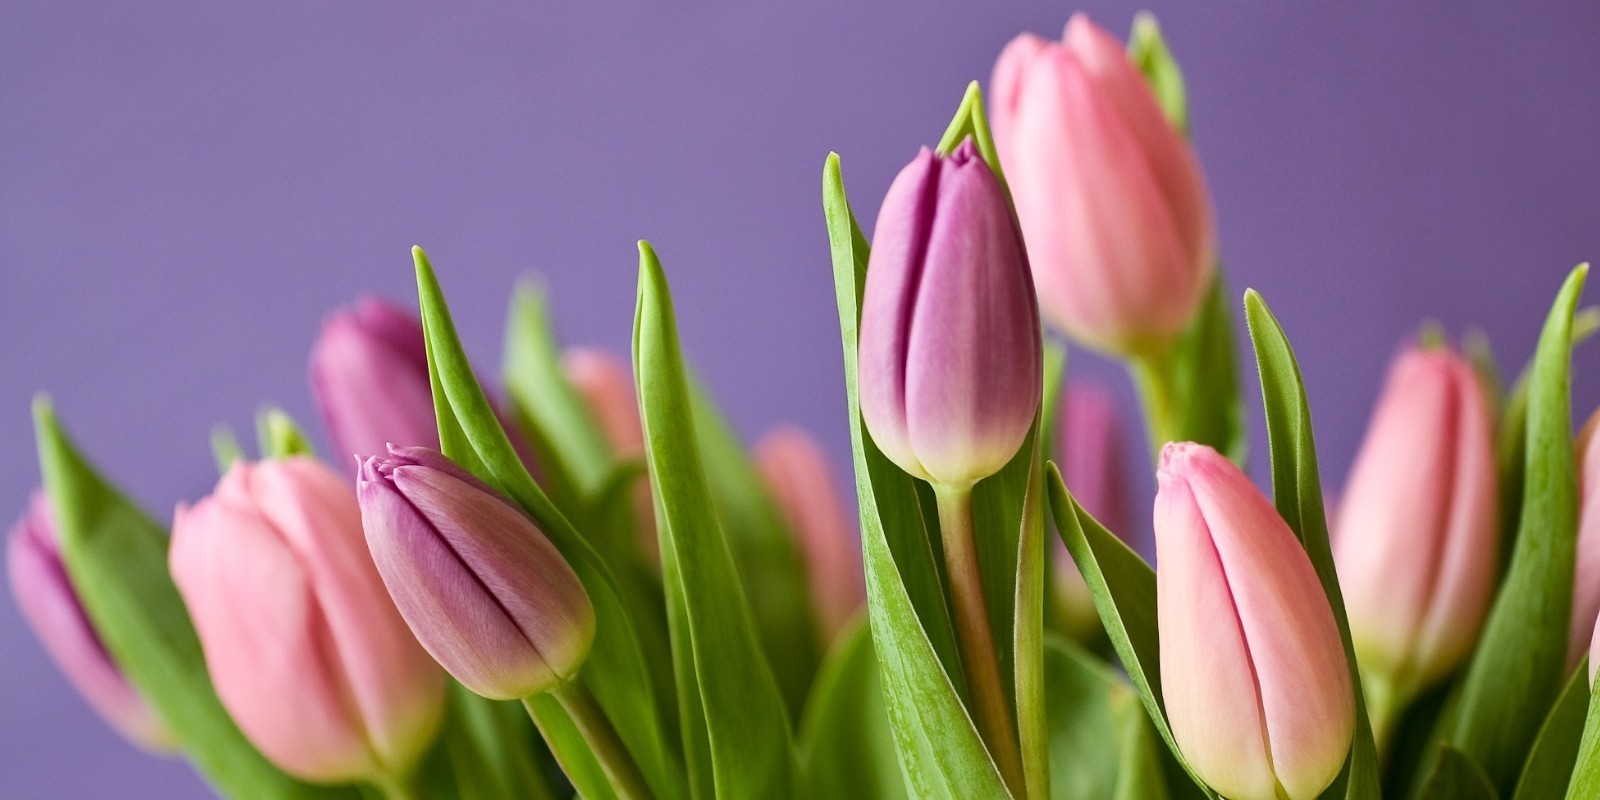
x: 606, y: 385
x: 950, y: 370
x: 369, y: 377
x: 1111, y: 199
x: 797, y: 473
x: 1586, y: 581
x: 1416, y: 543
x: 50, y: 605
x: 1257, y: 688
x: 483, y: 589
x: 303, y: 643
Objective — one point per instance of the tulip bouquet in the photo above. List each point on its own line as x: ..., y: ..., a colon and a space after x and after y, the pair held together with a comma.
x: 585, y: 584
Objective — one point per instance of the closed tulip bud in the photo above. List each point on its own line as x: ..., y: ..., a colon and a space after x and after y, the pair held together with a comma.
x: 50, y: 605
x: 1586, y: 580
x: 951, y: 362
x: 483, y: 589
x: 1089, y: 452
x: 306, y: 650
x: 1110, y: 196
x: 369, y: 377
x: 1257, y: 688
x: 1416, y: 543
x: 797, y: 473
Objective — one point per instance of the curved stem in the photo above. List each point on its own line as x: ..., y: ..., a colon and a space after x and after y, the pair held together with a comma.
x: 1158, y: 392
x: 608, y: 749
x: 974, y: 634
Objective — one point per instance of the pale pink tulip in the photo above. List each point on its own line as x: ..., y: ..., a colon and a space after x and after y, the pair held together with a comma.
x: 50, y: 605
x: 796, y: 471
x: 1253, y: 672
x: 1110, y: 196
x: 1416, y: 543
x: 1586, y: 580
x: 306, y: 649
x: 605, y: 383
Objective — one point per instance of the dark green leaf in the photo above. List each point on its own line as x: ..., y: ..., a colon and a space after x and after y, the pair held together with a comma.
x: 1455, y: 777
x: 1550, y: 763
x: 1206, y: 377
x: 846, y: 747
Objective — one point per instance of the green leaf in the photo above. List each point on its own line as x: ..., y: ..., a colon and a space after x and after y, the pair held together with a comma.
x: 279, y: 437
x: 1549, y: 766
x: 846, y: 747
x: 117, y: 558
x: 571, y: 750
x: 746, y: 722
x: 1586, y: 773
x: 1455, y: 777
x: 493, y: 750
x: 225, y: 447
x: 940, y: 752
x: 1297, y: 493
x: 619, y: 667
x: 1089, y: 707
x: 1028, y: 644
x: 1206, y: 377
x: 1141, y: 774
x: 1149, y: 52
x: 1519, y: 665
x: 971, y: 121
x: 1124, y: 591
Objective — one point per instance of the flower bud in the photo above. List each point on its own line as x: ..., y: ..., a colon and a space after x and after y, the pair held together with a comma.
x: 50, y: 605
x: 1416, y: 544
x: 1586, y: 579
x: 305, y: 648
x: 1089, y: 452
x: 797, y: 473
x: 369, y: 377
x: 1253, y: 672
x: 951, y: 362
x: 1111, y: 199
x: 483, y: 589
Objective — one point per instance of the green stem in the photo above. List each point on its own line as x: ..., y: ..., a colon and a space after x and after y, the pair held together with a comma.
x: 1158, y: 391
x: 397, y: 788
x: 1383, y: 711
x: 608, y: 749
x: 974, y: 634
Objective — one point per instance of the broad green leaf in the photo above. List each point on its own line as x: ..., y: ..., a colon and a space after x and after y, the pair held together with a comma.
x: 619, y: 667
x: 278, y: 436
x: 766, y: 551
x: 941, y: 755
x: 1297, y: 493
x: 1124, y: 591
x: 116, y: 556
x: 1549, y: 766
x: 1586, y: 772
x: 1518, y: 668
x: 1088, y: 707
x: 1456, y: 777
x: 846, y: 747
x: 746, y: 722
x: 1206, y: 377
x: 1149, y: 52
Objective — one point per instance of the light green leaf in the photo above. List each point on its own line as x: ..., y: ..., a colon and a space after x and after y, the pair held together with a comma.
x: 846, y: 747
x: 1519, y: 665
x: 1549, y: 766
x: 1148, y: 49
x: 493, y: 749
x: 571, y: 750
x: 1028, y: 644
x: 1206, y: 377
x: 747, y: 725
x: 1089, y: 707
x: 117, y: 558
x: 1456, y: 777
x: 278, y: 436
x: 225, y: 448
x: 971, y: 121
x: 1586, y: 773
x: 618, y: 669
x: 940, y: 752
x: 1297, y: 493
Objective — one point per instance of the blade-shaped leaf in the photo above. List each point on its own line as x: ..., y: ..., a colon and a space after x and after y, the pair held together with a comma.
x: 1297, y: 493
x: 1455, y: 777
x: 278, y: 436
x: 492, y: 749
x: 1549, y: 766
x: 116, y: 556
x: 846, y: 747
x: 747, y: 724
x: 1586, y: 772
x: 1519, y: 665
x: 1028, y: 644
x: 1206, y: 377
x: 940, y: 752
x: 1089, y: 705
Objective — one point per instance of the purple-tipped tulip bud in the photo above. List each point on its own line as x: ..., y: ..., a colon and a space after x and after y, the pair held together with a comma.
x: 483, y: 589
x: 369, y: 377
x: 1416, y: 541
x: 950, y: 370
x: 48, y: 601
x: 1586, y: 580
x: 1257, y: 688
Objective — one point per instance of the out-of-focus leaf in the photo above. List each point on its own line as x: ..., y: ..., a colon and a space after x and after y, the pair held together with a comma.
x: 1149, y: 52
x: 1206, y: 377
x: 1087, y: 707
x: 225, y: 447
x: 279, y: 436
x: 1549, y: 766
x: 846, y: 747
x: 1455, y: 777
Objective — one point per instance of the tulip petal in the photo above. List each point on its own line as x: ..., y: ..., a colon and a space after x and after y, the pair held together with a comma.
x: 369, y: 376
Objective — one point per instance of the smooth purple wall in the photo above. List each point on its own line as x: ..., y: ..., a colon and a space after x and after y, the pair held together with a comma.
x: 184, y: 191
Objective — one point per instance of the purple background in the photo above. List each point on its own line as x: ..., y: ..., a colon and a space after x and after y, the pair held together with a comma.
x: 184, y: 191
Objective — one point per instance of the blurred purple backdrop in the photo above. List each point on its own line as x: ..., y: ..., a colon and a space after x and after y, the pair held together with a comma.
x: 184, y: 191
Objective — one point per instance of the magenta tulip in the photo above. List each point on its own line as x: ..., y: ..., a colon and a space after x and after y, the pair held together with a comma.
x: 1253, y: 672
x: 50, y: 605
x: 369, y: 377
x: 483, y: 589
x: 306, y: 650
x: 1110, y: 196
x: 1586, y: 580
x: 796, y: 471
x: 950, y: 369
x: 1416, y: 540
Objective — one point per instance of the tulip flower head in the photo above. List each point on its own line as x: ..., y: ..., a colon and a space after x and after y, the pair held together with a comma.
x: 1586, y: 580
x: 796, y: 471
x: 50, y: 605
x: 1109, y: 194
x: 1089, y: 452
x: 483, y: 589
x: 1416, y: 540
x: 950, y: 371
x: 1253, y: 671
x: 369, y: 377
x: 306, y: 650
